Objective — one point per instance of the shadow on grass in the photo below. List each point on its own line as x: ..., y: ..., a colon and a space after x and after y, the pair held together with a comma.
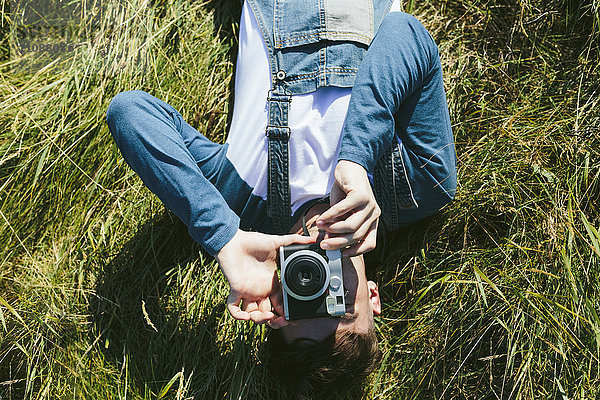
x: 141, y: 324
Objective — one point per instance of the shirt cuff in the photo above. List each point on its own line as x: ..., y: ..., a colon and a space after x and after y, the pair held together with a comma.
x: 222, y: 235
x: 358, y: 157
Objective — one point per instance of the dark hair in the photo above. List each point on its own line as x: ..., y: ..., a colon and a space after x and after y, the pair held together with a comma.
x: 306, y: 368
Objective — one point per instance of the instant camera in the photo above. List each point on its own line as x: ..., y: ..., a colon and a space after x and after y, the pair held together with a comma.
x: 312, y: 281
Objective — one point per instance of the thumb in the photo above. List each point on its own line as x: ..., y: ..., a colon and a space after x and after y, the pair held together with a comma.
x: 233, y: 305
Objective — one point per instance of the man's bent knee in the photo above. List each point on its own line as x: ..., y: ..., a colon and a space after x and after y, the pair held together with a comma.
x: 127, y: 110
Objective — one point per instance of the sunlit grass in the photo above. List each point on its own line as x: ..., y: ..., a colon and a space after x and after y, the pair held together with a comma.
x: 104, y: 295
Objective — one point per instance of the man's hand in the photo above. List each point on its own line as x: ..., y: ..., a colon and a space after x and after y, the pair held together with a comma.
x: 249, y: 262
x: 354, y: 214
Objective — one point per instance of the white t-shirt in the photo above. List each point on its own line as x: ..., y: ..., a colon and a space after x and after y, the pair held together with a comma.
x: 315, y: 120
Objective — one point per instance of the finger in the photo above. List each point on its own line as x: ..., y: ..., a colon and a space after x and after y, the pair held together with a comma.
x: 346, y: 205
x: 362, y: 247
x: 278, y: 322
x: 368, y: 235
x: 237, y: 313
x: 357, y: 249
x: 337, y: 241
x: 261, y: 311
x: 260, y: 317
x: 286, y: 240
x: 233, y: 306
x: 249, y: 306
x: 264, y: 305
x: 352, y: 223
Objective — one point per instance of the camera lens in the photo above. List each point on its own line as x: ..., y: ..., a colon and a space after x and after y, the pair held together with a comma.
x: 305, y: 275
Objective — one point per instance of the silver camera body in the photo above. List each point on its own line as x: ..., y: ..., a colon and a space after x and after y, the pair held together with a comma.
x: 312, y: 282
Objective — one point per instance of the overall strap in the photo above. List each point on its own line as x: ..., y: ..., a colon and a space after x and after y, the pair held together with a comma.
x: 278, y: 185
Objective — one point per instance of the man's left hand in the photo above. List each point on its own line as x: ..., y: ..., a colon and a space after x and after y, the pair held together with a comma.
x: 352, y: 220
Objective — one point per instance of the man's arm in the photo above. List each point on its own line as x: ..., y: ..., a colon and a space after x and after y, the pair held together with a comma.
x: 400, y: 76
x: 148, y: 132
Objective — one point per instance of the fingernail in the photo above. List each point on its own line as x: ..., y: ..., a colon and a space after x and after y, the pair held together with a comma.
x: 325, y: 246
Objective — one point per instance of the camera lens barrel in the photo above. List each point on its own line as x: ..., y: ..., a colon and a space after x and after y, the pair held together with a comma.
x: 306, y: 275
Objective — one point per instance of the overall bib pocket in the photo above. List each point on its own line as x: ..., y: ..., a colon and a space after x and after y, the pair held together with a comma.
x: 298, y: 23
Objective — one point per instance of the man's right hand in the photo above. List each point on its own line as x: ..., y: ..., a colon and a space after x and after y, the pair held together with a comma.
x: 249, y: 262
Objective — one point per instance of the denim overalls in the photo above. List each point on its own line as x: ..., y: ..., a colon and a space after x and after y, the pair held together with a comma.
x: 397, y: 125
x: 310, y: 44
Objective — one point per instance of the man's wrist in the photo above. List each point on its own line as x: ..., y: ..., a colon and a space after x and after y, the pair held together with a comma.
x: 348, y: 172
x: 222, y: 253
x: 344, y: 163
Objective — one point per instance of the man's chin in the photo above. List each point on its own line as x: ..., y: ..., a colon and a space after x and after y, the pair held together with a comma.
x: 312, y: 328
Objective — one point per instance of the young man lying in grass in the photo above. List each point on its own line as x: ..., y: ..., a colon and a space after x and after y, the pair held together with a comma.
x: 296, y: 68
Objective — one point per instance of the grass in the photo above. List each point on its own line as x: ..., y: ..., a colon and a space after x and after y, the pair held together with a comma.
x: 103, y: 294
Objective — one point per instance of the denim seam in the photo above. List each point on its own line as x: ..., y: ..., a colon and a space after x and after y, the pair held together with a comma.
x: 299, y: 38
x: 368, y: 38
x: 406, y: 176
x: 322, y: 79
x: 338, y: 71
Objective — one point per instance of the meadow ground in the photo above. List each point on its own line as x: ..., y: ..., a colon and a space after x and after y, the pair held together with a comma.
x: 103, y: 295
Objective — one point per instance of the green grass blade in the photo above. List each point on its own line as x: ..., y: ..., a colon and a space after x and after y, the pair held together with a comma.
x: 166, y: 388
